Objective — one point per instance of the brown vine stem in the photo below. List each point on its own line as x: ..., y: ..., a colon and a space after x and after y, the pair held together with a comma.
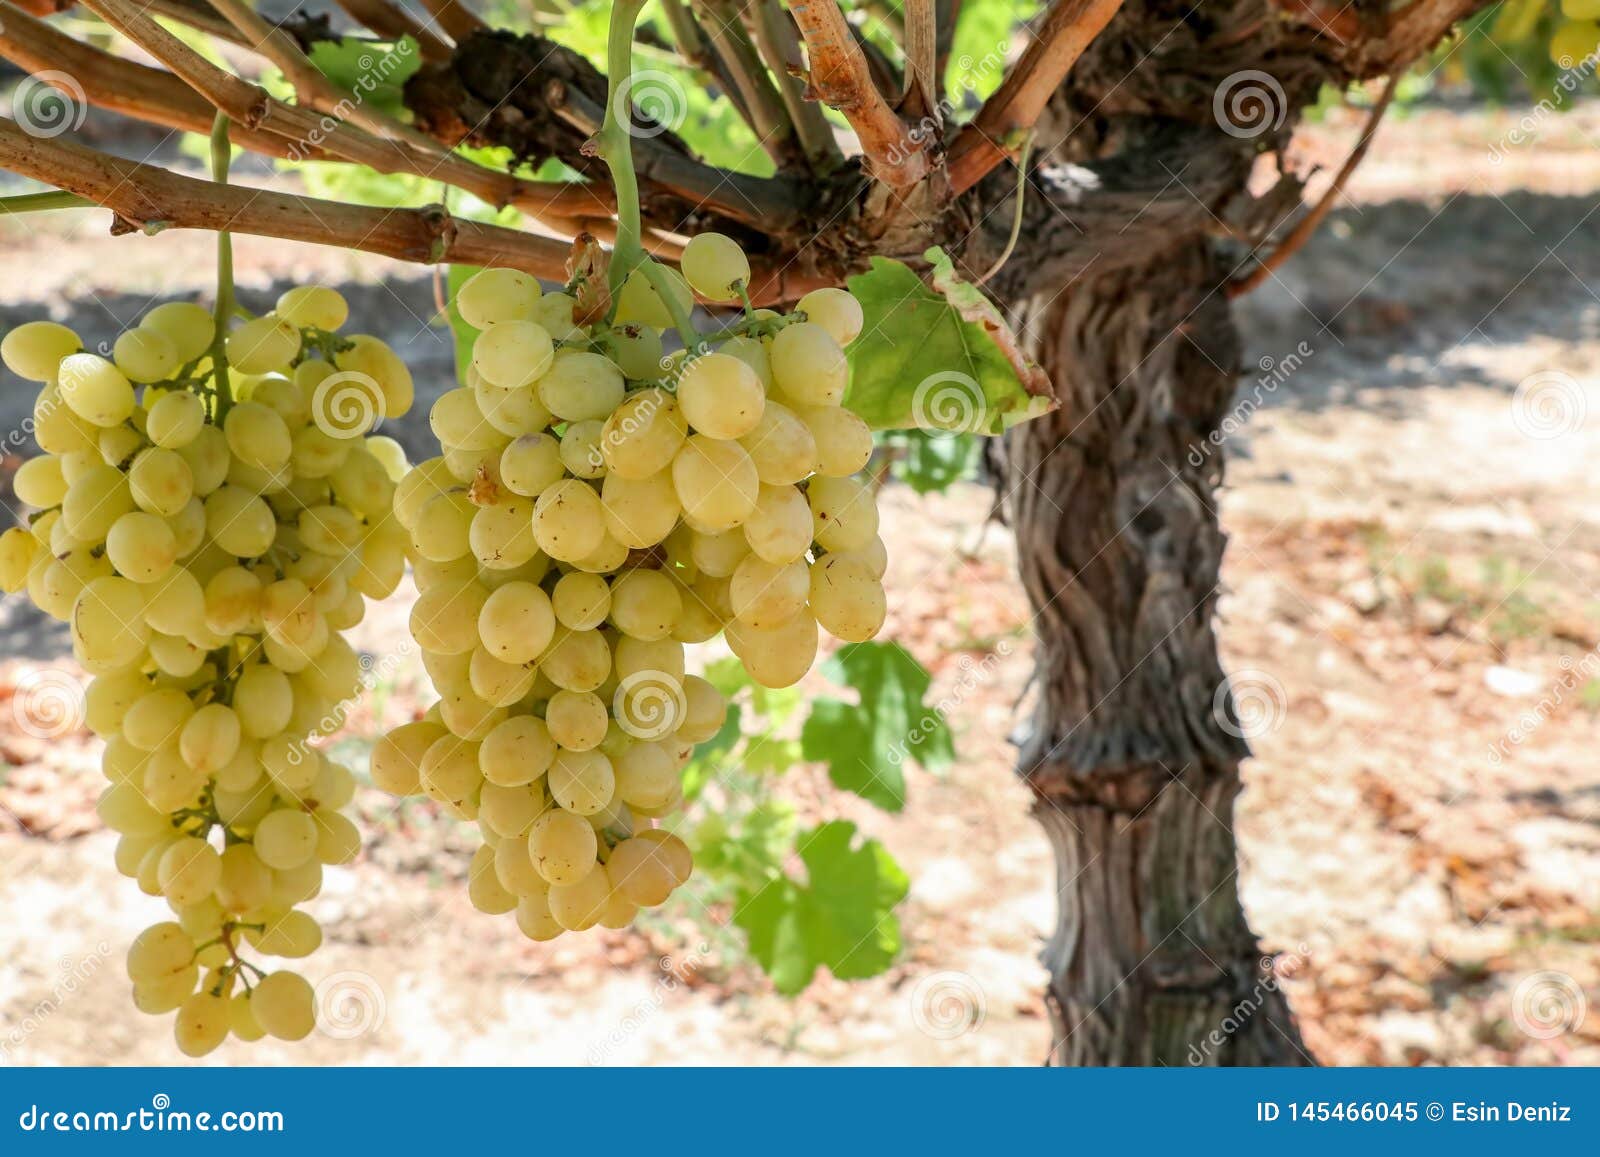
x: 841, y: 78
x: 150, y: 198
x: 1307, y: 225
x: 1067, y: 29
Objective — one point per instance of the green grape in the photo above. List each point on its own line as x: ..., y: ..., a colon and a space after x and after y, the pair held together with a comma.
x: 534, y: 918
x: 516, y: 622
x: 581, y: 601
x: 443, y: 527
x: 145, y: 355
x: 846, y: 598
x: 836, y: 311
x: 491, y: 296
x: 639, y: 870
x: 531, y: 464
x: 721, y: 397
x: 581, y: 452
x: 189, y: 327
x: 808, y: 365
x: 577, y: 721
x: 638, y: 303
x: 190, y: 868
x: 555, y: 311
x: 752, y: 353
x: 776, y: 656
x: 241, y: 523
x: 39, y: 483
x: 568, y: 520
x: 372, y: 359
x: 501, y: 537
x: 517, y: 751
x: 35, y: 349
x: 645, y: 604
x: 263, y: 345
x: 257, y: 435
x: 765, y: 594
x: 457, y: 422
x: 562, y: 846
x: 640, y: 512
x: 108, y: 624
x: 719, y: 554
x: 484, y: 889
x: 312, y: 306
x: 580, y: 386
x: 141, y: 546
x: 705, y: 711
x: 95, y: 389
x: 263, y: 698
x: 245, y: 882
x: 843, y: 440
x: 208, y: 458
x: 576, y: 660
x: 843, y: 513
x: 445, y: 618
x: 160, y: 951
x: 715, y: 267
x: 160, y: 481
x: 643, y: 434
x: 716, y: 482
x: 578, y: 906
x: 283, y: 1004
x: 637, y: 350
x: 779, y: 529
x: 513, y: 354
x: 646, y: 776
x: 397, y: 756
x: 286, y: 839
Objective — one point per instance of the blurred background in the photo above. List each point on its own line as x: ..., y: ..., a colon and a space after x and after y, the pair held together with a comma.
x: 1411, y: 617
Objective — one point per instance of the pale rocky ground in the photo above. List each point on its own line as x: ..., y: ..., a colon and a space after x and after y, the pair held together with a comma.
x: 1409, y: 571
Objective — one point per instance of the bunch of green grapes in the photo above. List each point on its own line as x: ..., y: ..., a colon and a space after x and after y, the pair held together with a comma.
x: 208, y: 516
x: 597, y: 507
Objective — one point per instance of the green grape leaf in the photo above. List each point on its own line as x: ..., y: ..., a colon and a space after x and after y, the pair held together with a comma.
x: 931, y: 460
x: 866, y: 744
x: 841, y: 917
x: 373, y: 74
x: 937, y: 356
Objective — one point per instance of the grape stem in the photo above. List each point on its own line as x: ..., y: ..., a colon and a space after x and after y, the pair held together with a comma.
x: 681, y: 321
x: 221, y: 156
x: 44, y: 202
x: 615, y: 146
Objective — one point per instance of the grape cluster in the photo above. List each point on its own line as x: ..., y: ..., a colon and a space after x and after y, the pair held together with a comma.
x: 597, y: 506
x: 209, y: 517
